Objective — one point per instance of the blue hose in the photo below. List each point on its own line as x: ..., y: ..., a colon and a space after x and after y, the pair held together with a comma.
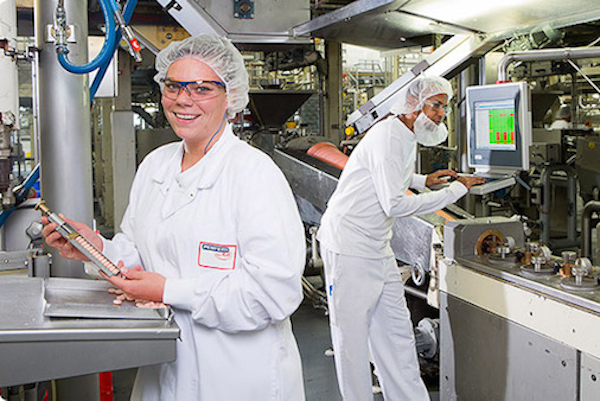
x: 127, y: 14
x: 112, y: 35
x: 21, y: 194
x: 107, y: 49
x: 98, y: 78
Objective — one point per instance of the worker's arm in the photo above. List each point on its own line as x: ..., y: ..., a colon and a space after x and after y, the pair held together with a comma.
x: 396, y: 203
x: 390, y: 165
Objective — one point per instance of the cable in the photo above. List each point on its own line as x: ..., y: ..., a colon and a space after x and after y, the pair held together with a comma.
x: 216, y: 132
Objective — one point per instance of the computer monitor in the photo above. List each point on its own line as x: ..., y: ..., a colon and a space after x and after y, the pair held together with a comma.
x: 498, y: 128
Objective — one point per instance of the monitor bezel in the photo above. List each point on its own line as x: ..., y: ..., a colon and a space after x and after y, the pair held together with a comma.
x: 500, y: 161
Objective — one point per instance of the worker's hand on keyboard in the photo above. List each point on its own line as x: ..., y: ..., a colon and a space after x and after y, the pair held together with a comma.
x: 66, y: 250
x: 440, y: 177
x: 469, y: 181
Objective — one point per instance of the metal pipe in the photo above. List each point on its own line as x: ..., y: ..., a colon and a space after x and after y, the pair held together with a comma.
x: 9, y: 98
x: 414, y: 292
x: 574, y: 115
x: 588, y: 79
x: 317, y: 262
x: 9, y: 90
x: 546, y: 177
x: 544, y: 54
x: 586, y: 227
x: 64, y: 124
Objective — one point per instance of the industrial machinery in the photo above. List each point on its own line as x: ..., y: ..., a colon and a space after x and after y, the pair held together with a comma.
x: 511, y: 312
x: 512, y: 315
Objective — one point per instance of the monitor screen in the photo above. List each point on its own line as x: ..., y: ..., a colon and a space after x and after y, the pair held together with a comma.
x: 499, y: 127
x: 495, y: 124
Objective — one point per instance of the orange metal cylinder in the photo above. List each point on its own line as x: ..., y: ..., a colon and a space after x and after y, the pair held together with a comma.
x: 329, y: 153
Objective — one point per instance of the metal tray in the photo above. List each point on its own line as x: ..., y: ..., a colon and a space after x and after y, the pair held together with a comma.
x: 81, y: 298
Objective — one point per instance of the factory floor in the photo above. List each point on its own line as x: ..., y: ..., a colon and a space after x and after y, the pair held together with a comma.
x: 311, y: 329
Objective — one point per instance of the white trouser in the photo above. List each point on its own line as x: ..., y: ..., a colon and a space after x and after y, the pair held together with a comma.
x: 367, y: 311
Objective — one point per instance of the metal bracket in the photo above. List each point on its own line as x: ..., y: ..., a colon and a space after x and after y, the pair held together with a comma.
x: 15, y: 54
x: 9, y: 51
x: 420, y: 67
x: 8, y: 119
x: 172, y: 4
x: 51, y: 34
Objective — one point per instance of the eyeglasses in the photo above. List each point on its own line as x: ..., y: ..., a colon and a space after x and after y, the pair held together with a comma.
x: 437, y: 106
x: 198, y: 90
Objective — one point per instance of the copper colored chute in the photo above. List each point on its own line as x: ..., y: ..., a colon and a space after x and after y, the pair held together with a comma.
x: 329, y: 153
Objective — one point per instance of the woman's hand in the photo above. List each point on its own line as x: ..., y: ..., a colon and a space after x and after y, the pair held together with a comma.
x: 139, y: 284
x: 66, y: 250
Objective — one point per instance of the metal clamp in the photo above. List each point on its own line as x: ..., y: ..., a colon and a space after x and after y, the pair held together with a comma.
x: 51, y: 34
x: 418, y: 274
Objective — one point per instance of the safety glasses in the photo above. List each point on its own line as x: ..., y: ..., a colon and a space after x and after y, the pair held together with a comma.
x: 437, y: 106
x: 198, y: 90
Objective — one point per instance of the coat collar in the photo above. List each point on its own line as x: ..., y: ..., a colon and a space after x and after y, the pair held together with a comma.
x: 206, y: 171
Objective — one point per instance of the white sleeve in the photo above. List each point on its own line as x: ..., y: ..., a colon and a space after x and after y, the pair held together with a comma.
x: 418, y: 182
x: 415, y: 205
x: 265, y: 286
x: 122, y: 247
x: 392, y: 175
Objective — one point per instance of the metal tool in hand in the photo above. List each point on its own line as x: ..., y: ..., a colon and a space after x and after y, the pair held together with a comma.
x: 69, y: 233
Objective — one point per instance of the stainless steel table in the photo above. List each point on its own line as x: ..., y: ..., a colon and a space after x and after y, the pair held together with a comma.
x: 36, y: 348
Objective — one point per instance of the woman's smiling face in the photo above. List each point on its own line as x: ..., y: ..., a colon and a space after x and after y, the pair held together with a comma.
x: 194, y: 121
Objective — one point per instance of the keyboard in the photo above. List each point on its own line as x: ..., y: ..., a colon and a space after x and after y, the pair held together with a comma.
x: 492, y: 185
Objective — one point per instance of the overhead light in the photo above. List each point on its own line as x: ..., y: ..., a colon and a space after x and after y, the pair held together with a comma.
x: 464, y: 9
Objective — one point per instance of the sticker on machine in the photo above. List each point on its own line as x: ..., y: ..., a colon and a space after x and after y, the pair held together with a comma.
x: 217, y: 256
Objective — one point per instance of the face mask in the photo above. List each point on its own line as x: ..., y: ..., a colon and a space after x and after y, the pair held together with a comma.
x: 428, y: 133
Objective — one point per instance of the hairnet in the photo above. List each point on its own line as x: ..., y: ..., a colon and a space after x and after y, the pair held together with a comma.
x: 564, y: 111
x: 422, y: 88
x: 220, y: 55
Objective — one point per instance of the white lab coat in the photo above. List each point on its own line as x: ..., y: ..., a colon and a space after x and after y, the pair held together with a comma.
x: 560, y: 124
x: 365, y: 293
x: 371, y: 193
x: 227, y: 235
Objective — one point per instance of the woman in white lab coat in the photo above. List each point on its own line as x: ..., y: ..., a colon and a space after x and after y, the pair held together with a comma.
x: 214, y: 226
x: 365, y: 293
